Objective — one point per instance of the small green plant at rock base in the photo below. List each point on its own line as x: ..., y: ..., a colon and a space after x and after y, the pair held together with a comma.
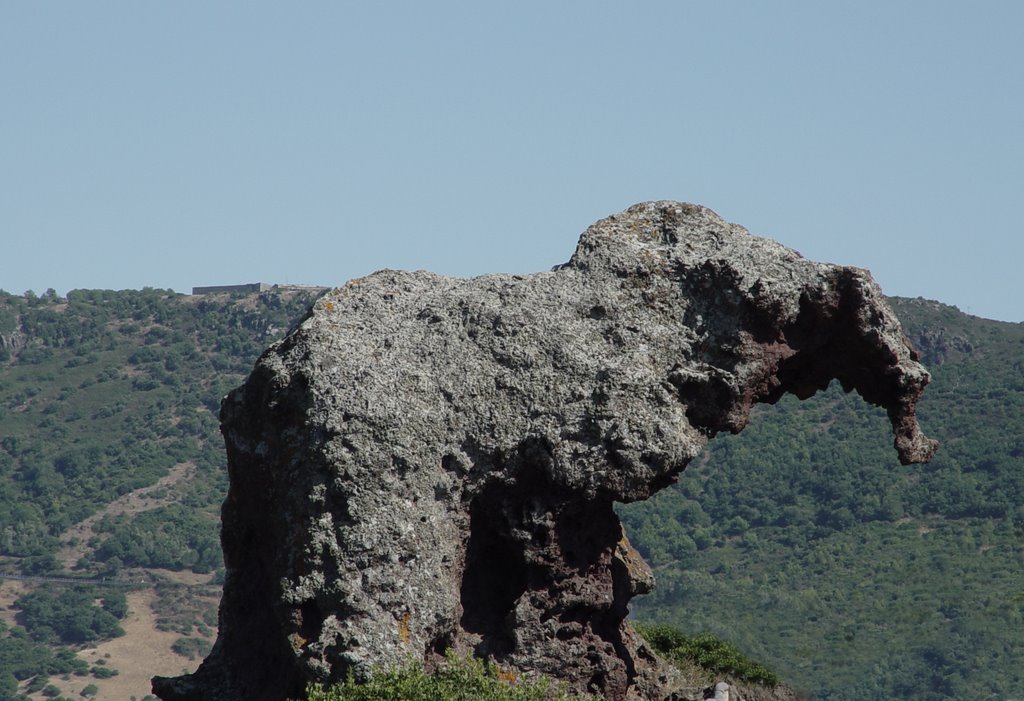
x: 711, y: 653
x: 462, y: 679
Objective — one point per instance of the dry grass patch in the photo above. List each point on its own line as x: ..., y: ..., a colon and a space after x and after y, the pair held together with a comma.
x: 142, y: 652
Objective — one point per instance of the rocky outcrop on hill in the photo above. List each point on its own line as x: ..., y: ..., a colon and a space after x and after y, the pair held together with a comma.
x: 430, y: 463
x: 12, y: 341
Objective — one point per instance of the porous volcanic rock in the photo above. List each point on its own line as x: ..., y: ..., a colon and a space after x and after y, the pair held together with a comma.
x: 429, y: 463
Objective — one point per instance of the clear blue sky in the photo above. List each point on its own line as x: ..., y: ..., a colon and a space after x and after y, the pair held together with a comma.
x: 192, y: 143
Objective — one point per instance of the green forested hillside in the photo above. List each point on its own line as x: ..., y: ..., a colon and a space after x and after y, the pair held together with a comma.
x: 803, y: 540
x: 101, y: 394
x: 104, y: 392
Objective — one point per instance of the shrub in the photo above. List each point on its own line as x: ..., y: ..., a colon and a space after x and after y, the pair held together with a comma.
x: 190, y: 647
x: 708, y: 651
x: 37, y: 684
x: 69, y: 615
x: 460, y: 680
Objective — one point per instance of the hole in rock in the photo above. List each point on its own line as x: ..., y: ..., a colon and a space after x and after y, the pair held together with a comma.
x: 495, y: 576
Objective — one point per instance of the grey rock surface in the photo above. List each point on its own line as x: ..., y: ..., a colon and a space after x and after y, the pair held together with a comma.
x: 429, y: 463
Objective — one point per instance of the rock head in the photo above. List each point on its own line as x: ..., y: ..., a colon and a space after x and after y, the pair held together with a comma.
x: 428, y: 463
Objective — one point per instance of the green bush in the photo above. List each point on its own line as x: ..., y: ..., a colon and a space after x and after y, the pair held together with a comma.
x: 711, y: 653
x: 460, y: 680
x: 37, y: 684
x: 191, y: 647
x: 69, y: 615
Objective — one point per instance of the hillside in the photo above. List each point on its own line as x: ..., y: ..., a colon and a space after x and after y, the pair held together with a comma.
x: 801, y: 539
x: 112, y: 467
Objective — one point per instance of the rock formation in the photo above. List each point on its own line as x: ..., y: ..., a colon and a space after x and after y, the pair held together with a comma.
x: 429, y: 463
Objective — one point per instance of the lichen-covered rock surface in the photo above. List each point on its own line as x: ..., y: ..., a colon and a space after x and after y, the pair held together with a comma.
x: 429, y: 463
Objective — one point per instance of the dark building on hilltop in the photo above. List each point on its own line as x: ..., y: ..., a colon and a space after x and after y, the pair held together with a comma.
x: 214, y: 289
x: 253, y: 287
